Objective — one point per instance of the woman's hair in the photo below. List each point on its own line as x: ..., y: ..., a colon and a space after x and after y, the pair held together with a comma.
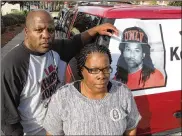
x: 147, y: 68
x: 88, y: 49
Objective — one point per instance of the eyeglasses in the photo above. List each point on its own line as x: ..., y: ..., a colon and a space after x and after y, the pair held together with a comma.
x: 106, y: 70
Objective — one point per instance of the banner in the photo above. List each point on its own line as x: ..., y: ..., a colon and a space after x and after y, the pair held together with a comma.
x: 147, y: 55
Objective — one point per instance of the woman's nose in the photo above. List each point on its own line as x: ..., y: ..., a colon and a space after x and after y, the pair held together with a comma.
x: 101, y: 75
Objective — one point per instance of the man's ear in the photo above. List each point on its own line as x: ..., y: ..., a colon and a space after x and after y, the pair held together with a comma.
x: 26, y: 31
x: 143, y: 55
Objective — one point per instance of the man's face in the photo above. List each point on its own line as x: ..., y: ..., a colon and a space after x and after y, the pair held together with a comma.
x: 41, y: 33
x: 133, y: 55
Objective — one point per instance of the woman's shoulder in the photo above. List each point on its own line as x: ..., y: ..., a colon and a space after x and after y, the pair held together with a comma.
x: 65, y: 89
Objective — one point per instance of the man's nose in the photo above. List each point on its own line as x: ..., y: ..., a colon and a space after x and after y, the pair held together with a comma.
x: 46, y: 34
x: 132, y: 54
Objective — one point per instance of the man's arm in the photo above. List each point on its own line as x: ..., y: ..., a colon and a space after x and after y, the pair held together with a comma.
x: 100, y: 29
x: 12, y: 129
x: 68, y: 48
x: 10, y: 119
x: 10, y: 98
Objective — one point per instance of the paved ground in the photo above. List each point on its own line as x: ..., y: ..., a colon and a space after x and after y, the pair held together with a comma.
x: 177, y: 134
x: 11, y: 44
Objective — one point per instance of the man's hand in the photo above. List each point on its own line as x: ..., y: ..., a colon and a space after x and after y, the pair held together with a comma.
x: 104, y: 29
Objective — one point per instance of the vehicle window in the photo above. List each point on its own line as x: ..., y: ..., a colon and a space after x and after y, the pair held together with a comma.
x: 66, y: 23
x: 84, y: 22
x: 64, y: 18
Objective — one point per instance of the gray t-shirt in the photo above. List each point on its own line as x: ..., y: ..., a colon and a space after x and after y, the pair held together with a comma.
x: 71, y: 113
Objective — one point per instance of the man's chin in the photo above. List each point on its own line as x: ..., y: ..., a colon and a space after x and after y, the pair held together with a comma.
x: 44, y: 50
x: 132, y: 65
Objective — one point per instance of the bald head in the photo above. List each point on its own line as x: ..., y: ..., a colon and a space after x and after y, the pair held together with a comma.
x: 40, y: 13
x: 39, y: 31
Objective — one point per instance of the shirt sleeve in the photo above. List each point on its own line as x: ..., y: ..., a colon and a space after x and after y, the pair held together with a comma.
x: 10, y: 98
x: 13, y: 79
x: 68, y: 48
x: 53, y: 123
x: 133, y: 116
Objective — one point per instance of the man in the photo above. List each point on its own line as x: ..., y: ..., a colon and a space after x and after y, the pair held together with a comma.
x: 32, y: 72
x: 135, y: 67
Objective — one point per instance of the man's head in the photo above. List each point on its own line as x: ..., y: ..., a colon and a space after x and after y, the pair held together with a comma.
x: 39, y: 31
x: 133, y: 44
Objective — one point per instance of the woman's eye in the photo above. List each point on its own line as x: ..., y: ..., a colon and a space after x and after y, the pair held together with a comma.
x: 95, y: 70
x: 107, y: 69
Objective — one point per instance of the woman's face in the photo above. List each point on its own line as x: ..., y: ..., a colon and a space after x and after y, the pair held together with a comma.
x: 96, y: 82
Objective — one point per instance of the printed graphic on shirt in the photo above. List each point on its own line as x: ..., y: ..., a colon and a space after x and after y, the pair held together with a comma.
x: 50, y: 83
x: 115, y: 115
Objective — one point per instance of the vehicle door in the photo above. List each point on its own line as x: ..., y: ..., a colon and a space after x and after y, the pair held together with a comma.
x: 159, y: 105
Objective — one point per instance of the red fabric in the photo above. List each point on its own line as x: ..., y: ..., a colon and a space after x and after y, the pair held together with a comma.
x: 156, y: 79
x: 68, y: 74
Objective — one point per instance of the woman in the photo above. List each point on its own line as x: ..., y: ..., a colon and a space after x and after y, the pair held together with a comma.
x: 93, y: 105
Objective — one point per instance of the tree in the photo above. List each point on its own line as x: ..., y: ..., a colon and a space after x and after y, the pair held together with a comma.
x: 175, y: 3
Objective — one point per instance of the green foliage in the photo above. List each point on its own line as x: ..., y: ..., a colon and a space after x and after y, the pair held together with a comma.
x: 25, y: 12
x: 175, y: 3
x: 154, y: 2
x: 14, y: 18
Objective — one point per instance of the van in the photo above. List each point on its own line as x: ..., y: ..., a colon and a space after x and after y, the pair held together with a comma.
x: 158, y: 28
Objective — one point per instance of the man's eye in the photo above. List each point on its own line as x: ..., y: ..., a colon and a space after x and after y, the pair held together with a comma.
x: 127, y: 49
x: 39, y: 30
x: 137, y: 50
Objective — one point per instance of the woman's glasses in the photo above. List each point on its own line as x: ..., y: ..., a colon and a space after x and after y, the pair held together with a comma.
x: 105, y: 70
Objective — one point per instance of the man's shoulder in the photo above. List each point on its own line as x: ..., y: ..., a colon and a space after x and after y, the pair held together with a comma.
x: 157, y: 74
x: 15, y: 57
x: 61, y: 41
x: 58, y: 41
